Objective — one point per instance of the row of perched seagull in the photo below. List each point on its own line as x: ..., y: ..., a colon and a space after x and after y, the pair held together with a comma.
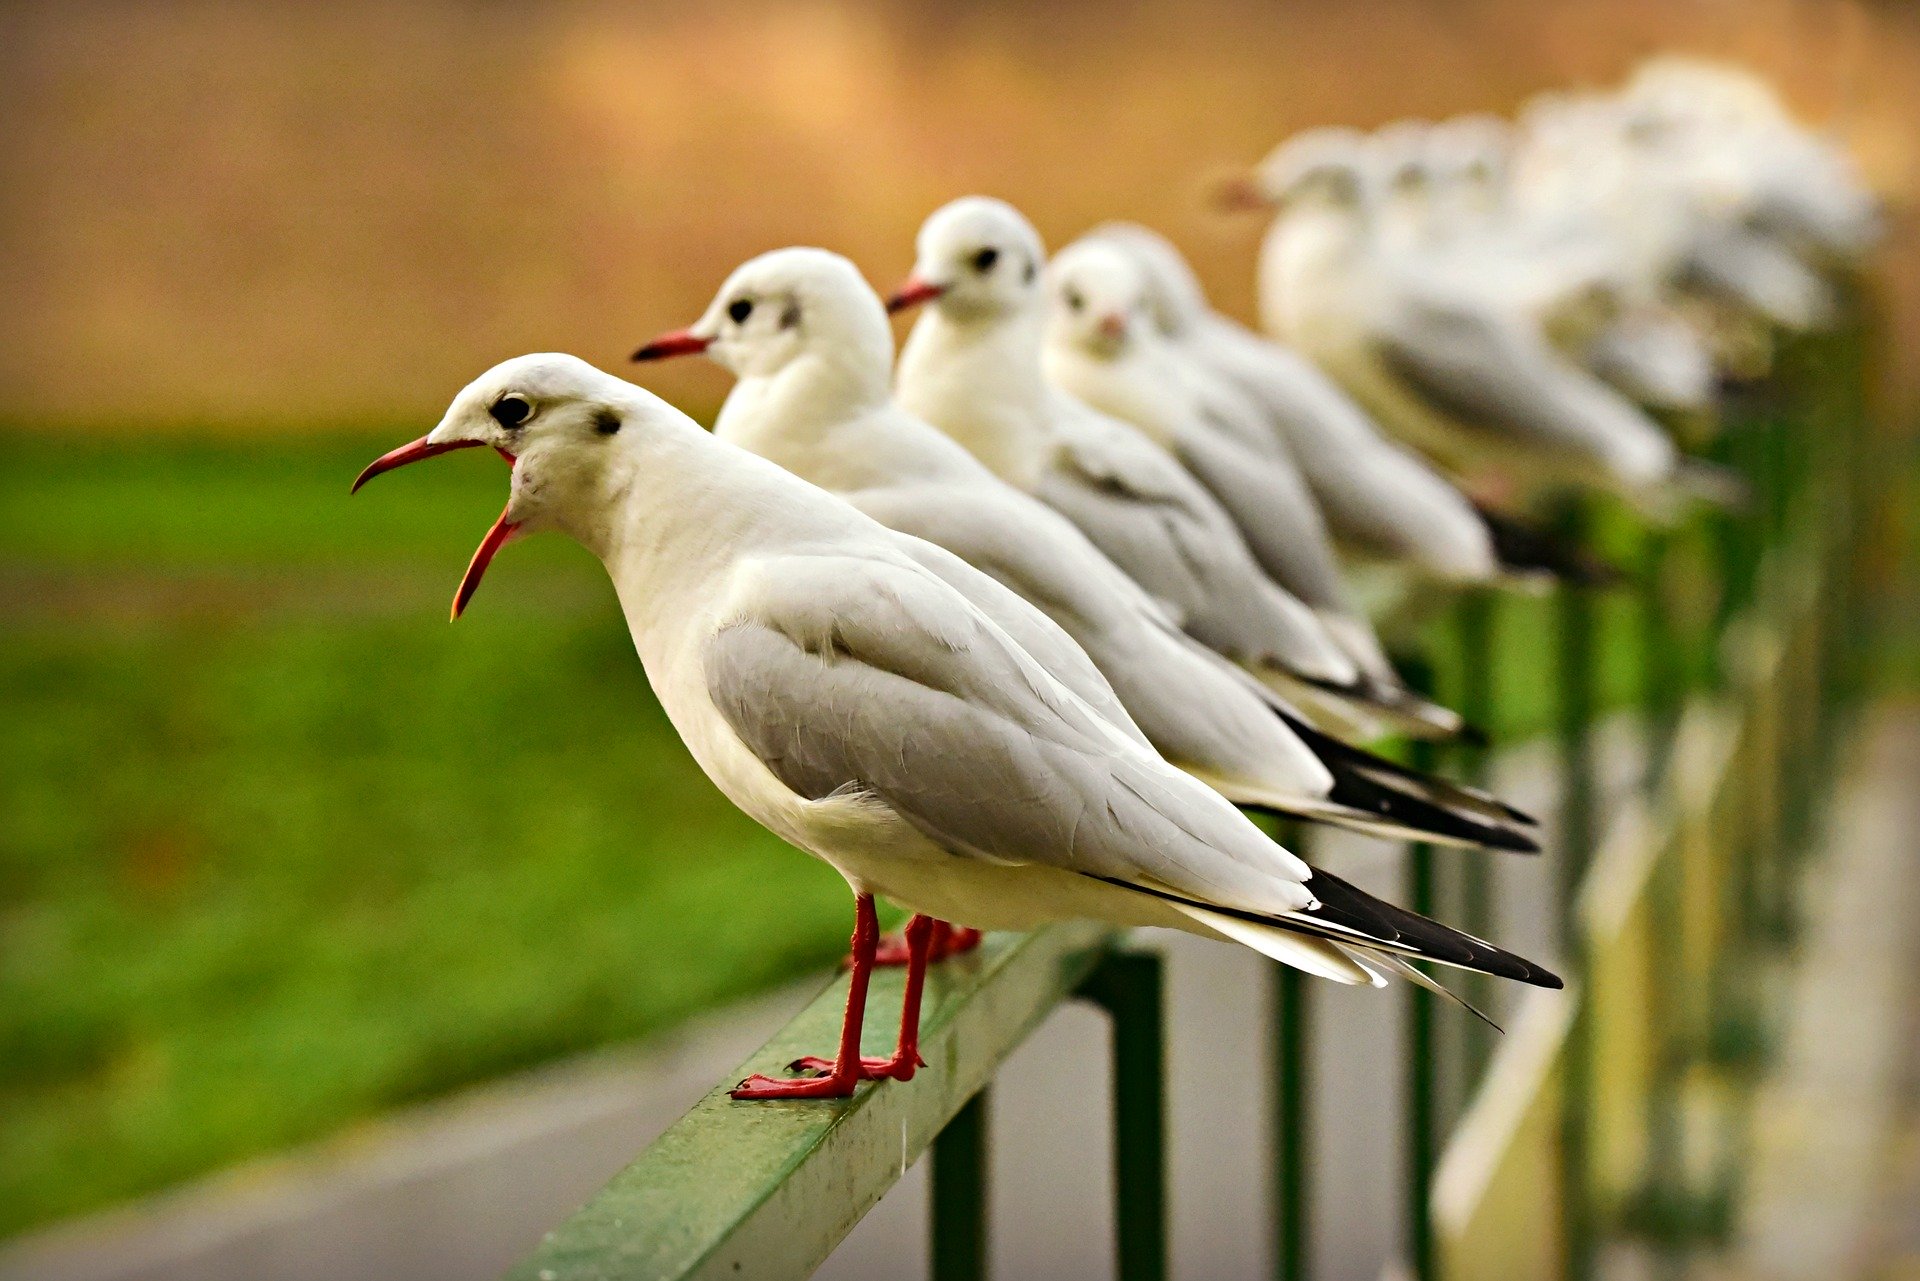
x: 1013, y: 632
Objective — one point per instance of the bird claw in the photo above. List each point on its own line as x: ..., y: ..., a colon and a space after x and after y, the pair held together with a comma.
x: 758, y: 1086
x: 892, y: 950
x: 889, y: 1069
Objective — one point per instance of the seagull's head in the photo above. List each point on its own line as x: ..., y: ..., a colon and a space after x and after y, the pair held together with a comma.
x: 976, y: 258
x: 785, y: 305
x: 1329, y: 166
x: 1175, y: 299
x: 1097, y: 299
x: 563, y: 428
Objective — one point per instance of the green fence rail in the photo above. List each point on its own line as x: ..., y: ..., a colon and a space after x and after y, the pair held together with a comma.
x: 1584, y: 1117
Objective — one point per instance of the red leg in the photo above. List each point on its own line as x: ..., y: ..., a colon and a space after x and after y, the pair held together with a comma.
x: 844, y: 1073
x: 919, y: 935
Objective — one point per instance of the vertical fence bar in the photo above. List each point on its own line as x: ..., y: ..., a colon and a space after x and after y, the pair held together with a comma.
x: 1662, y: 678
x: 1130, y: 987
x: 1476, y: 705
x: 1422, y: 1128
x: 1290, y: 1145
x: 1575, y: 644
x: 957, y: 1236
x: 1291, y: 1149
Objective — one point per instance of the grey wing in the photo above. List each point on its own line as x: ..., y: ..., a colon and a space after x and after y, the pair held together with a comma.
x: 1029, y: 627
x: 850, y: 674
x: 1501, y: 375
x: 1139, y: 506
x: 1271, y: 504
x: 1375, y: 495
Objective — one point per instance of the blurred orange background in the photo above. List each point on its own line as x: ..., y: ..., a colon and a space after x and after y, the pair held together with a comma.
x: 276, y: 216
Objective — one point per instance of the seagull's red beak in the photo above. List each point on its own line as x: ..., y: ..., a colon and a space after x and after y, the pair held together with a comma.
x: 912, y: 292
x: 497, y: 537
x: 409, y: 453
x: 1113, y: 326
x: 1242, y: 193
x: 679, y: 342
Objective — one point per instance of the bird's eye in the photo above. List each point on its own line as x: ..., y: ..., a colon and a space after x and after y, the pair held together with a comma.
x: 1074, y: 301
x: 740, y: 309
x: 984, y: 260
x: 511, y: 411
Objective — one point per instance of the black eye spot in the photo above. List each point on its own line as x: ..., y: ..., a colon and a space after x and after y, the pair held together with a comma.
x: 984, y: 260
x: 511, y: 411
x: 606, y: 422
x: 1031, y: 271
x: 791, y: 316
x: 740, y: 309
x: 1074, y: 300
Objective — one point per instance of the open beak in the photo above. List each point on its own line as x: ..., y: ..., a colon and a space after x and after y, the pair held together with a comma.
x: 1242, y: 193
x: 497, y: 537
x: 679, y: 342
x: 409, y: 453
x: 913, y: 291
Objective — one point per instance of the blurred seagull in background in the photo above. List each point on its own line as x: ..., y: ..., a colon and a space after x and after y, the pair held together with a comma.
x: 866, y: 696
x: 809, y: 341
x: 1457, y: 370
x: 1382, y: 503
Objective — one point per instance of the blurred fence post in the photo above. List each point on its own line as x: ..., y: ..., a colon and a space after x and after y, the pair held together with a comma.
x: 1576, y: 693
x: 1290, y: 1118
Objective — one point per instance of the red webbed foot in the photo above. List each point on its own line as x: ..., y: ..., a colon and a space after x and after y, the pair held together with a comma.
x: 948, y: 940
x: 894, y: 1068
x: 830, y: 1086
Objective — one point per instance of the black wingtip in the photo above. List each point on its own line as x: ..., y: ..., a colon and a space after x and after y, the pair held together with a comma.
x: 1530, y: 549
x: 1356, y: 791
x: 1346, y: 905
x: 1336, y: 754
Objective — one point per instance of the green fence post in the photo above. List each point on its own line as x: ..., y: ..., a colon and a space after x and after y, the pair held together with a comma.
x: 957, y: 1230
x: 1662, y: 679
x: 1129, y: 986
x: 1476, y: 704
x: 1290, y: 1146
x: 1422, y: 1138
x: 1576, y: 698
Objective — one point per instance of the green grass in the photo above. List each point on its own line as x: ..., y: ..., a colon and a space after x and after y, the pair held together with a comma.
x: 271, y: 867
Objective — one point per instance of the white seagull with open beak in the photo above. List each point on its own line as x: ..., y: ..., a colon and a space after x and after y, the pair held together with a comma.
x: 849, y: 688
x: 809, y: 341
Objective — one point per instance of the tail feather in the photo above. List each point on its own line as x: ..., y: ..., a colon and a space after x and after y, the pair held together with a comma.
x: 1361, y: 804
x: 1414, y: 974
x: 1313, y: 955
x: 1345, y: 760
x: 1351, y: 917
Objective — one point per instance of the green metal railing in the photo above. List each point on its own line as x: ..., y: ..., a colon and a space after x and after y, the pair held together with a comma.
x: 768, y: 1189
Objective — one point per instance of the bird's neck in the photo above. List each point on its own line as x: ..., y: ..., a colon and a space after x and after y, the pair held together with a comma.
x: 980, y: 381
x: 677, y: 509
x: 796, y: 415
x: 1120, y: 384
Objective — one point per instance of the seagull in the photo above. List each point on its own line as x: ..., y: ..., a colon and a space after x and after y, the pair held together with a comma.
x: 1383, y: 503
x: 1448, y: 366
x: 972, y: 368
x: 808, y: 339
x: 1103, y: 347
x: 853, y: 690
